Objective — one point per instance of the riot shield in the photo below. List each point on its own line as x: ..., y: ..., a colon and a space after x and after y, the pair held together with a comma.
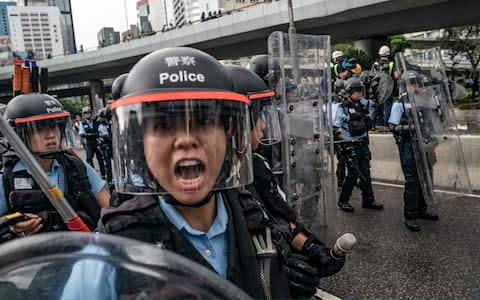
x: 307, y: 147
x: 73, y: 265
x: 379, y: 85
x: 436, y: 141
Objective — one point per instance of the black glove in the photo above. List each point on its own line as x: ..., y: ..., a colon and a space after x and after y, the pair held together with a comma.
x: 302, y: 277
x: 319, y: 256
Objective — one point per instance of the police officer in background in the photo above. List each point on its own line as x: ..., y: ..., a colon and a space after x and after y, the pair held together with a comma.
x: 337, y: 58
x: 310, y: 259
x: 402, y: 128
x: 104, y: 140
x: 386, y: 65
x: 44, y: 126
x: 89, y: 133
x: 338, y: 97
x: 351, y: 124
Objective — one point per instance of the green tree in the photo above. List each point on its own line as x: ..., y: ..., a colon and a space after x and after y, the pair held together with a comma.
x: 349, y: 51
x: 398, y: 43
x: 72, y: 107
x: 463, y: 41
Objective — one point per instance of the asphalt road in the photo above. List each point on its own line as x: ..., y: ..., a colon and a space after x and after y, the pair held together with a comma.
x: 442, y: 261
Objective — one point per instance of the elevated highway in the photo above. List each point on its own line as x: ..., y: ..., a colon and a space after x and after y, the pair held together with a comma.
x: 245, y: 33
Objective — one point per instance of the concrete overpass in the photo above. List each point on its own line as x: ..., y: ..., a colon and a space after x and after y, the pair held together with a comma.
x: 245, y: 33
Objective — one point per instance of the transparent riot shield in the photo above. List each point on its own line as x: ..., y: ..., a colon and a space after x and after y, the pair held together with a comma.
x: 436, y: 141
x: 379, y: 85
x: 72, y: 265
x: 303, y: 85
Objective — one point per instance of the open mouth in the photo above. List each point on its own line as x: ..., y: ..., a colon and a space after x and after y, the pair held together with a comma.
x: 51, y: 145
x: 189, y: 171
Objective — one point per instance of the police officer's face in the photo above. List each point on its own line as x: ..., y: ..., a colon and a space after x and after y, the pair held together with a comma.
x: 45, y: 136
x: 185, y: 159
x: 257, y: 133
x: 412, y: 87
x: 356, y: 95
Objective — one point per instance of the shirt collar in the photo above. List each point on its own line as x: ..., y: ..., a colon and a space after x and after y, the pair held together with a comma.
x: 219, y: 225
x: 20, y: 166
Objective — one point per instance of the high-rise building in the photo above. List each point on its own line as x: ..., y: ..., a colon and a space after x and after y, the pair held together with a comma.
x: 107, y: 36
x: 37, y: 28
x: 143, y: 12
x: 161, y: 14
x: 4, y: 17
x: 177, y: 13
x: 66, y: 11
x: 5, y: 51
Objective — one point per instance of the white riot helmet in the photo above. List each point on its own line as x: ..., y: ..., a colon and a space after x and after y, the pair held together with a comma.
x: 384, y: 51
x: 336, y: 54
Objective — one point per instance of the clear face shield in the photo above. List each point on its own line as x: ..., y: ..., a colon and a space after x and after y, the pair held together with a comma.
x: 186, y: 148
x: 357, y: 93
x: 46, y: 134
x: 264, y: 114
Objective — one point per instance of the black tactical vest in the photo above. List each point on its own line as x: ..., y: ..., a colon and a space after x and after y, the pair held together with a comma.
x: 359, y: 122
x: 24, y: 194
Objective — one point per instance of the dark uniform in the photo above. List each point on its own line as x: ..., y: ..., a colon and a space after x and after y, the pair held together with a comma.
x: 414, y: 203
x: 89, y: 133
x: 352, y: 122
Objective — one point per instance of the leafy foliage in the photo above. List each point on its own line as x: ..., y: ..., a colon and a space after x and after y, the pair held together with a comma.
x: 72, y: 107
x: 349, y: 51
x: 398, y: 43
x: 463, y: 41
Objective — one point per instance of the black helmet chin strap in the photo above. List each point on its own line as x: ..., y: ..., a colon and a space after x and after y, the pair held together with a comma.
x: 49, y: 155
x: 172, y: 201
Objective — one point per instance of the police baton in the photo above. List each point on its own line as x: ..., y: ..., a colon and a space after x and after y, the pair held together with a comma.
x: 54, y: 194
x: 339, y: 147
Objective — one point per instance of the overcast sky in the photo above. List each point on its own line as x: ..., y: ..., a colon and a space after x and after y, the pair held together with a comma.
x: 89, y: 16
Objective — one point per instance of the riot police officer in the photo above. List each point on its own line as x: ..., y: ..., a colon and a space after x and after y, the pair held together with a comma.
x: 402, y: 128
x: 337, y: 58
x: 386, y: 65
x: 104, y: 140
x: 311, y: 259
x: 338, y: 98
x: 89, y: 132
x: 351, y: 124
x: 44, y: 126
x: 184, y: 130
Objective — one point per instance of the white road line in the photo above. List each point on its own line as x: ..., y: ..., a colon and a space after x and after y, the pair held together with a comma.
x: 326, y: 296
x: 440, y: 191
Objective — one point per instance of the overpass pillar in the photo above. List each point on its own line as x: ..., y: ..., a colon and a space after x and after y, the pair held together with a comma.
x: 371, y: 46
x: 97, y: 95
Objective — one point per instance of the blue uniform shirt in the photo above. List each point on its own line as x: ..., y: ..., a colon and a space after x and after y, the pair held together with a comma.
x: 341, y: 120
x: 103, y: 130
x: 56, y: 177
x: 91, y: 279
x: 396, y: 113
x: 212, y: 244
x: 81, y: 129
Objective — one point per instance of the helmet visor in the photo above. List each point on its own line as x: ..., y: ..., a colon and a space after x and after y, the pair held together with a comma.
x: 183, y: 147
x: 264, y: 113
x: 357, y: 89
x: 46, y: 134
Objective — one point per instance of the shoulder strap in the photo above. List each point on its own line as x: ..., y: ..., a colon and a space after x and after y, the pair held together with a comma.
x: 390, y: 68
x: 8, y: 165
x: 75, y: 174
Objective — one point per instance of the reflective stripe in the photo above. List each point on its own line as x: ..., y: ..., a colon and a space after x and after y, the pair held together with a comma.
x: 42, y: 117
x: 261, y: 95
x: 188, y: 95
